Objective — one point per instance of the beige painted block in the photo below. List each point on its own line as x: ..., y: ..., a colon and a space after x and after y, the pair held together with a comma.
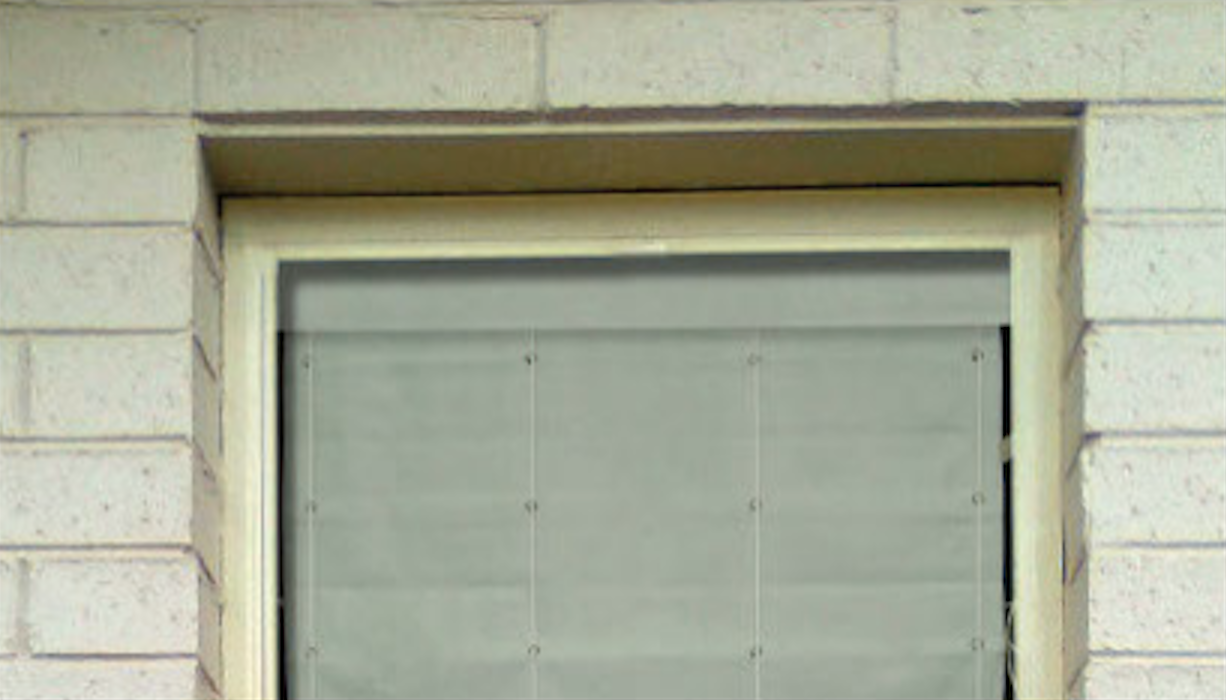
x: 136, y: 679
x: 1074, y: 535
x: 206, y: 521
x: 1155, y: 270
x: 113, y: 173
x: 8, y: 606
x: 207, y: 215
x: 57, y: 496
x: 372, y: 60
x: 114, y: 606
x: 206, y: 304
x: 1076, y: 626
x: 645, y: 55
x: 1147, y: 378
x: 1155, y: 679
x: 1153, y: 491
x: 89, y: 386
x: 74, y: 279
x: 74, y: 62
x: 1159, y: 601
x: 1155, y: 158
x: 206, y: 410
x: 1114, y: 50
x: 10, y: 170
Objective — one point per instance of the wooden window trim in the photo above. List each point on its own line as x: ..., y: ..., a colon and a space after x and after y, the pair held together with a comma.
x: 263, y: 233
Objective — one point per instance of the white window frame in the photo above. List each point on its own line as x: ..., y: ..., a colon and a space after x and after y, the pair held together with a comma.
x: 261, y: 234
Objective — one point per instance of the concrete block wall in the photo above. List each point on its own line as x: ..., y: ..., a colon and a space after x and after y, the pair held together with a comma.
x: 110, y: 296
x: 1145, y: 286
x: 111, y: 270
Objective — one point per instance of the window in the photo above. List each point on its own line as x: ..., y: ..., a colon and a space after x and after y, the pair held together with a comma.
x: 539, y: 478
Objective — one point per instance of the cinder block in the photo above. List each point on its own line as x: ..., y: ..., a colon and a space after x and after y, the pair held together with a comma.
x: 999, y: 52
x: 137, y: 679
x: 207, y: 215
x: 1076, y: 626
x: 8, y: 606
x: 1155, y: 270
x: 372, y: 60
x: 1155, y: 159
x: 115, y: 606
x: 136, y: 172
x: 1153, y: 491
x: 1075, y: 533
x: 206, y: 523
x: 1147, y: 378
x: 206, y: 304
x: 206, y: 410
x: 778, y: 54
x: 96, y: 386
x: 1154, y: 679
x: 73, y: 279
x: 10, y: 170
x: 74, y: 62
x: 53, y: 496
x: 1157, y: 601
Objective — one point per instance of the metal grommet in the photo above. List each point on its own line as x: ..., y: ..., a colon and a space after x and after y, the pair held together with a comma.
x: 532, y: 506
x: 979, y: 498
x: 534, y: 650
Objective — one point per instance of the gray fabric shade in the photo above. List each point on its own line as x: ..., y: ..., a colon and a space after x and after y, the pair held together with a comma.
x: 805, y: 291
x: 629, y: 499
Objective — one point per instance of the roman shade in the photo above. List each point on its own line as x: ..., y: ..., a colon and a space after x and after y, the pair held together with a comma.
x: 695, y: 477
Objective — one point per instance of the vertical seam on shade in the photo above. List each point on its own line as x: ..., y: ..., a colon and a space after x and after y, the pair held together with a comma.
x: 980, y: 641
x: 756, y: 379
x: 534, y: 507
x: 312, y: 507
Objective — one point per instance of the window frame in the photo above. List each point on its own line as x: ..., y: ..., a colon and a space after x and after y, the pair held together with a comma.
x: 262, y: 233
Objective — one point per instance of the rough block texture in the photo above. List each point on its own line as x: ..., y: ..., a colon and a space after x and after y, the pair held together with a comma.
x: 637, y: 55
x: 1155, y: 160
x: 1131, y: 679
x: 1157, y: 601
x: 1154, y: 270
x: 8, y: 607
x: 70, y: 63
x: 82, y: 279
x: 10, y: 170
x: 206, y: 304
x: 96, y: 386
x: 1151, y: 491
x: 113, y: 173
x: 115, y: 606
x: 96, y: 495
x: 373, y: 61
x: 1155, y: 378
x: 954, y: 52
x: 206, y: 409
x: 169, y: 679
x: 110, y: 307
